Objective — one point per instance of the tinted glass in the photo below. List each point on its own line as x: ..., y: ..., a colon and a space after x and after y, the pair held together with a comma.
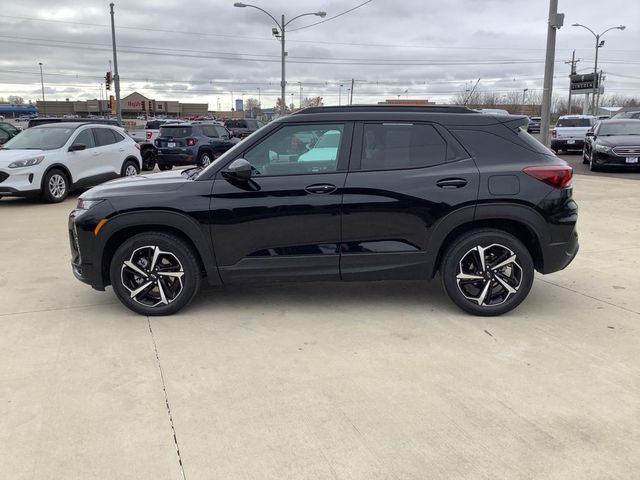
x: 294, y: 150
x: 85, y: 138
x: 175, y: 132
x: 45, y: 138
x: 4, y: 136
x: 252, y: 124
x: 235, y: 124
x: 118, y: 135
x: 222, y: 132
x: 622, y: 128
x: 573, y: 122
x: 9, y: 128
x: 393, y: 146
x: 209, y: 130
x: 153, y: 125
x: 103, y: 136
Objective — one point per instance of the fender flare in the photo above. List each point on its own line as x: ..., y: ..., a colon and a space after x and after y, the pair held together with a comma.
x: 164, y: 219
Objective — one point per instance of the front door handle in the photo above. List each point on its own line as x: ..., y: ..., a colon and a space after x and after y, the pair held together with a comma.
x: 320, y: 188
x: 451, y: 183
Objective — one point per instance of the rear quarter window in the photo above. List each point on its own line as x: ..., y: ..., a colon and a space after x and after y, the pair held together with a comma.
x: 489, y: 147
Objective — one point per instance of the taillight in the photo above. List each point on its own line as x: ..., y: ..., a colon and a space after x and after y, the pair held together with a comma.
x: 191, y: 142
x: 554, y: 133
x: 557, y: 176
x: 149, y: 134
x: 156, y: 143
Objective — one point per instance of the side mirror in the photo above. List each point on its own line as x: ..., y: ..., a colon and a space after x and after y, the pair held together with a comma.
x: 77, y: 146
x: 239, y: 169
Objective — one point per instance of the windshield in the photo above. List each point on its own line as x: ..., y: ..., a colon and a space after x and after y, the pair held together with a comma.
x: 175, y: 132
x: 331, y: 139
x: 42, y: 138
x: 574, y: 122
x: 622, y: 128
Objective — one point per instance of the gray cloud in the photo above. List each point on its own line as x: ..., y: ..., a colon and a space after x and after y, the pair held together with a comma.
x: 500, y: 41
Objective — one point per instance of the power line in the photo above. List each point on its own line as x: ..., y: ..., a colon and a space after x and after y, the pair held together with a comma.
x: 331, y: 18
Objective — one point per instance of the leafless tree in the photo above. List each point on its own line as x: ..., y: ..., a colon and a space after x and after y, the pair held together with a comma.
x: 312, y: 102
x: 15, y: 99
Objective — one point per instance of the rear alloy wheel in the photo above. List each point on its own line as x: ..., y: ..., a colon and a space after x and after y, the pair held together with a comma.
x: 130, y: 169
x: 487, y: 272
x: 204, y: 160
x: 55, y: 186
x: 155, y: 273
x: 148, y: 161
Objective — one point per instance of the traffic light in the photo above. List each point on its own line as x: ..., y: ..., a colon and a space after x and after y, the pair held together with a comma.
x: 107, y: 81
x: 112, y: 104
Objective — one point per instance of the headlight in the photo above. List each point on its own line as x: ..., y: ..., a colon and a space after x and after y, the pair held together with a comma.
x: 87, y: 204
x: 603, y: 148
x: 27, y: 162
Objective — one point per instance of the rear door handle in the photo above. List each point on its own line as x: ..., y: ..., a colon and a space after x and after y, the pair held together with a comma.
x: 320, y: 188
x: 451, y: 183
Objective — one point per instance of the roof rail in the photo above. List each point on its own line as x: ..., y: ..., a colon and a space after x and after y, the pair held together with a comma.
x: 387, y: 108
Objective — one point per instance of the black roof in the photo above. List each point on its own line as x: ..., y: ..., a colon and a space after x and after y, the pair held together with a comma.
x: 387, y: 108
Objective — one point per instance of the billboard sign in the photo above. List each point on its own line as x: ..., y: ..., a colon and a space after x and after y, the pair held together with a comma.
x: 583, y: 83
x: 239, y: 106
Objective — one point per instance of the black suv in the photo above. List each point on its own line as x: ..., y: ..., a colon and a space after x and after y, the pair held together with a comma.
x: 243, y: 127
x: 188, y: 144
x: 340, y: 193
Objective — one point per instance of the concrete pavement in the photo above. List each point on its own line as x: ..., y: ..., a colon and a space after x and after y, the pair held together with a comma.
x: 325, y: 380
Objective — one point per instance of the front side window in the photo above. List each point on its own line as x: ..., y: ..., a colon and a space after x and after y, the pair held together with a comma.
x: 387, y: 146
x: 41, y: 138
x: 85, y: 138
x: 298, y: 150
x: 209, y: 131
x: 222, y: 132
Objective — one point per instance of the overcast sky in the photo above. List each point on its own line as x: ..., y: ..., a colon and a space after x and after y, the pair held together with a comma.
x: 205, y: 51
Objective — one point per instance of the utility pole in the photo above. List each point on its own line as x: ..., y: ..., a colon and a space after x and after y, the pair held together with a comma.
x: 600, y: 79
x: 300, y: 83
x: 555, y: 22
x: 573, y: 63
x: 116, y: 77
x: 351, y: 95
x: 340, y: 94
x: 44, y: 108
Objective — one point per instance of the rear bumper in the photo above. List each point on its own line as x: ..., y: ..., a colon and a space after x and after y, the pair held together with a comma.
x: 558, y: 256
x: 176, y: 159
x: 564, y: 144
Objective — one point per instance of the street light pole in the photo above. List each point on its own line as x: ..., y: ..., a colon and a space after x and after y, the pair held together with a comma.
x: 555, y: 22
x: 340, y: 94
x: 44, y: 108
x: 116, y: 77
x: 599, y: 44
x: 280, y: 33
x: 300, y: 84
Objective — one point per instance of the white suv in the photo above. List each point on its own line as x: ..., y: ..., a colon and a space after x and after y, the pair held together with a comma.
x: 53, y: 158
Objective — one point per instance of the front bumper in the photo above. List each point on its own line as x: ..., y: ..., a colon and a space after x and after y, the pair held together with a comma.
x: 21, y: 182
x: 610, y: 159
x: 567, y: 144
x: 86, y: 248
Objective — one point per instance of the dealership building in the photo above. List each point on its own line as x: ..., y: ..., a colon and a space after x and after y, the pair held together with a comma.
x: 132, y: 105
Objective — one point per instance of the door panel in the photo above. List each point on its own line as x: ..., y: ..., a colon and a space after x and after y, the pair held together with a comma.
x: 284, y: 222
x: 388, y: 215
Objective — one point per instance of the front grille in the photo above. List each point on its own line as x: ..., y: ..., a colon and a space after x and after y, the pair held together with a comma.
x: 627, y: 151
x: 3, y: 176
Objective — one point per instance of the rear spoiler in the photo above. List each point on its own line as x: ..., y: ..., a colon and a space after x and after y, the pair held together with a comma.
x: 513, y: 122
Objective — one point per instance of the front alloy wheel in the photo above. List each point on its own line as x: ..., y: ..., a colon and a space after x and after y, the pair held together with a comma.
x: 487, y: 272
x: 155, y: 273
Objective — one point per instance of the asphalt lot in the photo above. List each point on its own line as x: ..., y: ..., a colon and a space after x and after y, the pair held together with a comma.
x: 347, y: 381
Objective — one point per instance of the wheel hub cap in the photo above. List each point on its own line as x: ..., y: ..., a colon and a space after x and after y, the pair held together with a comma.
x: 152, y: 277
x: 489, y: 276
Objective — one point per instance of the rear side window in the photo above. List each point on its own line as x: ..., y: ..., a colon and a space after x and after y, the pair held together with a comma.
x: 104, y: 136
x: 574, y: 122
x: 175, y: 132
x: 209, y: 131
x: 236, y: 124
x: 388, y: 146
x: 489, y: 148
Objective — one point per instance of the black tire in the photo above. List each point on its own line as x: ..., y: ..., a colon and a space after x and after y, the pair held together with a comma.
x: 55, y: 186
x: 148, y: 160
x: 592, y: 164
x: 204, y: 159
x: 497, y: 299
x: 128, y: 167
x: 173, y: 251
x: 165, y: 166
x: 585, y: 158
